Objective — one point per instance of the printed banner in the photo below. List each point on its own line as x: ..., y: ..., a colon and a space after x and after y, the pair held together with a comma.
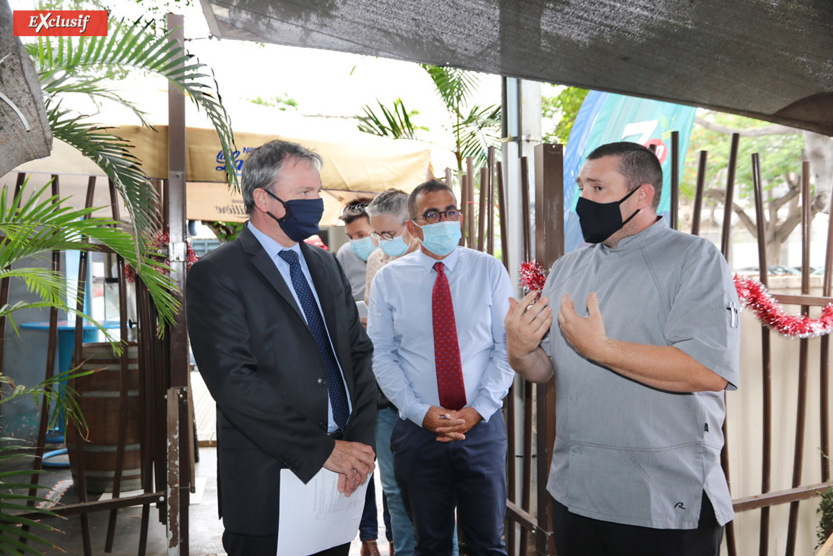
x: 607, y: 118
x: 60, y: 23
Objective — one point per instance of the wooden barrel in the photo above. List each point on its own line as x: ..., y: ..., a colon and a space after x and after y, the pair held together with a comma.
x: 99, y: 401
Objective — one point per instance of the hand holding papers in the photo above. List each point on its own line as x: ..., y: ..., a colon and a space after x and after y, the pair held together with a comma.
x: 353, y: 461
x: 316, y: 516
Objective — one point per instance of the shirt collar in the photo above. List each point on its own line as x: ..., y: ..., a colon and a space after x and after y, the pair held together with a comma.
x: 450, y: 261
x: 271, y: 246
x: 636, y: 240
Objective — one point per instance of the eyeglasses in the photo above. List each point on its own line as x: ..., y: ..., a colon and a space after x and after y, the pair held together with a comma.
x: 434, y: 216
x: 387, y: 236
x: 355, y: 208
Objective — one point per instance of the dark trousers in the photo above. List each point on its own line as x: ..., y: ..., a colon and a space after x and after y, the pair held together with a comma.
x: 245, y: 545
x: 576, y: 535
x: 435, y: 477
x: 369, y: 524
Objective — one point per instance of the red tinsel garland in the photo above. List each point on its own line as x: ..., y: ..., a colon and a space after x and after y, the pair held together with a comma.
x: 752, y: 294
x: 532, y: 277
x: 158, y: 250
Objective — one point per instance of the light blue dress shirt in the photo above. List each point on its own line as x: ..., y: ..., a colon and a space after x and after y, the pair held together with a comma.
x: 272, y: 248
x: 401, y: 327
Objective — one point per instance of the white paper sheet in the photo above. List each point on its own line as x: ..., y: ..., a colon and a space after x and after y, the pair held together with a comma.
x: 316, y: 516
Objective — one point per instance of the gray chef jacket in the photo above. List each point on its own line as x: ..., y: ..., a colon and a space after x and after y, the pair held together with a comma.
x: 625, y: 452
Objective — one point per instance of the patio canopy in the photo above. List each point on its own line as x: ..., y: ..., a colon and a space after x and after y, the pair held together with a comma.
x: 768, y: 59
x: 355, y: 165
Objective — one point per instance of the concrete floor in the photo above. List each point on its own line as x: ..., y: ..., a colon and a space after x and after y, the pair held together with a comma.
x: 205, y: 528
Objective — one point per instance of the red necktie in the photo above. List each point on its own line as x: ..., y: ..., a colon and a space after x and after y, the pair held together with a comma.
x: 450, y: 384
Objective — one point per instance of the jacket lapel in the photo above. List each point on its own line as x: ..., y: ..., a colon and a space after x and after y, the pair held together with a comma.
x: 266, y: 266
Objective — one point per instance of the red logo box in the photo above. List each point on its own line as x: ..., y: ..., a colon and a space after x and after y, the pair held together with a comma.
x: 60, y: 23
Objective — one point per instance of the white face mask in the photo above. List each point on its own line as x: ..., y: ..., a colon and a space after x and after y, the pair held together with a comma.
x: 395, y: 247
x: 363, y: 247
x: 441, y: 238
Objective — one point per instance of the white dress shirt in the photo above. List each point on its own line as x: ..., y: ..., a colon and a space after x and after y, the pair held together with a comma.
x: 401, y: 327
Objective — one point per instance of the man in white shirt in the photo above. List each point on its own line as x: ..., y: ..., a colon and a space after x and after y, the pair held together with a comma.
x: 436, y: 322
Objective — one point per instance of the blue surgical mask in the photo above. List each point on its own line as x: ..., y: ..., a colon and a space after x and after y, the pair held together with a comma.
x: 395, y: 247
x: 301, y: 218
x: 441, y: 238
x: 363, y: 247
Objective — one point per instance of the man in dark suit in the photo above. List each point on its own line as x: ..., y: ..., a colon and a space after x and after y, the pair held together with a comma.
x: 293, y: 390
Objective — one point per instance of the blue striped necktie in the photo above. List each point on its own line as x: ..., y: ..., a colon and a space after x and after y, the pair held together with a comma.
x: 335, y: 384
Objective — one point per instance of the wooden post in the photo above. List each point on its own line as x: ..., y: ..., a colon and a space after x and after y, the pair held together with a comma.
x: 549, y: 245
x: 675, y: 180
x: 698, y: 194
x: 766, y: 356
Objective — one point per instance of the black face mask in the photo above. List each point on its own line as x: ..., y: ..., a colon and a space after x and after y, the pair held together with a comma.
x: 599, y: 221
x: 301, y: 218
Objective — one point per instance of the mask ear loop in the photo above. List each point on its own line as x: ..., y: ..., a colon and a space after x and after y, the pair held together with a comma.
x: 630, y: 218
x: 288, y: 214
x: 622, y: 200
x: 625, y: 198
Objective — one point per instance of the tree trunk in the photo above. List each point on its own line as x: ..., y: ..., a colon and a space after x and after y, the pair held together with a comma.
x: 819, y: 151
x: 773, y: 252
x: 26, y: 134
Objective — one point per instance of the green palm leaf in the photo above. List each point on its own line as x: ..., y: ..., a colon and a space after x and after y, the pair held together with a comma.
x: 454, y: 85
x: 473, y: 132
x: 478, y: 131
x: 12, y: 537
x: 35, y: 227
x: 395, y: 121
x: 111, y: 154
x: 10, y: 531
x: 65, y: 65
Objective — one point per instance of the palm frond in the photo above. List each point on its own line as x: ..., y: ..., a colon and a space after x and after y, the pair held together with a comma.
x: 395, y: 121
x: 49, y: 285
x: 478, y: 131
x: 455, y: 86
x: 36, y: 228
x: 111, y: 154
x: 56, y: 392
x: 64, y: 66
x: 10, y: 531
x: 134, y: 46
x: 96, y: 91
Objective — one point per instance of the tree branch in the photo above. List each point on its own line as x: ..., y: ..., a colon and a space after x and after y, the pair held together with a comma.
x: 785, y: 228
x: 745, y: 219
x: 779, y: 202
x: 774, y: 129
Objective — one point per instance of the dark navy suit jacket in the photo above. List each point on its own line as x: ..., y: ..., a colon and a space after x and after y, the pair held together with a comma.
x: 264, y: 370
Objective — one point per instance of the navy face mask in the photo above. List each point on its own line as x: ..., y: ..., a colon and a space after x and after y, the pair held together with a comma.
x: 301, y: 218
x: 599, y: 221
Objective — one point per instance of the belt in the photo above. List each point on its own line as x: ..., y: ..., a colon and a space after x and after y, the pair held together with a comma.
x: 336, y: 435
